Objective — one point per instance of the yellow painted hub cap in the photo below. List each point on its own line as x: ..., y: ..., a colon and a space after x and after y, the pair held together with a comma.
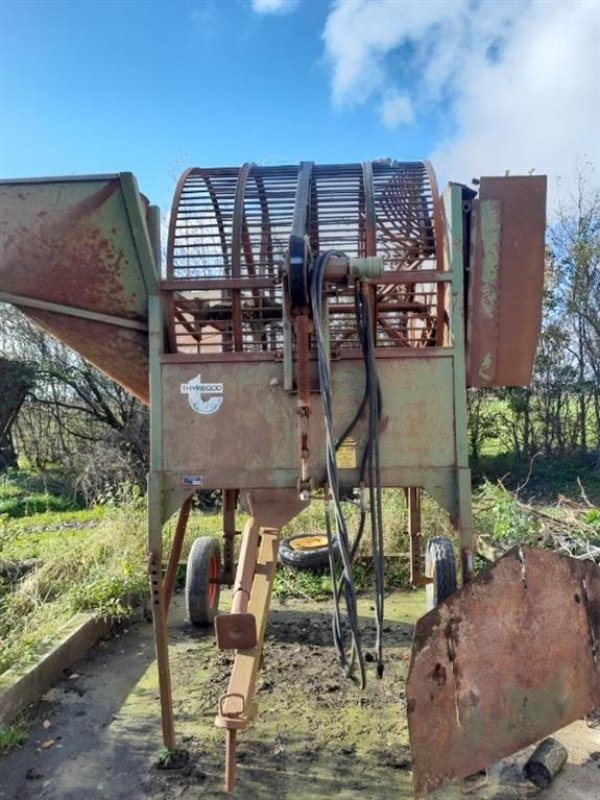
x: 309, y: 543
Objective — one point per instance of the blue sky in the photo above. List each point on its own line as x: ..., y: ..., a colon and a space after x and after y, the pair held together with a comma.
x: 90, y: 86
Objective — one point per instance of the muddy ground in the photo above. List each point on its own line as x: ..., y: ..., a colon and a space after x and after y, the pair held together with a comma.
x: 97, y: 733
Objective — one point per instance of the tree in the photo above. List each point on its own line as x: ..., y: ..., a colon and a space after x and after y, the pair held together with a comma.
x: 575, y: 310
x: 75, y: 416
x: 16, y: 380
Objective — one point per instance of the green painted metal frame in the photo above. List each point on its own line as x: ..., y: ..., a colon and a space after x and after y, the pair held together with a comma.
x: 172, y: 455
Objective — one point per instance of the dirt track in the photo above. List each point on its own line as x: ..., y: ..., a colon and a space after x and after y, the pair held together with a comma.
x: 97, y: 733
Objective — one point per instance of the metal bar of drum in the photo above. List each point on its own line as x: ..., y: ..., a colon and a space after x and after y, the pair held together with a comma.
x: 174, y: 555
x: 266, y: 238
x: 302, y: 198
x: 173, y: 220
x: 184, y: 284
x: 412, y: 276
x: 236, y: 254
x: 219, y: 218
x: 370, y: 238
x: 370, y: 216
x: 438, y: 232
x: 249, y: 257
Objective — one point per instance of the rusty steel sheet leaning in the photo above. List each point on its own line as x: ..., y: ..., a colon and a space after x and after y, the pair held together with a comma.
x: 510, y: 658
x: 75, y: 258
x: 505, y: 280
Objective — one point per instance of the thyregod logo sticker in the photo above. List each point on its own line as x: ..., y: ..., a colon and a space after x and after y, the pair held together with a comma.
x: 204, y: 398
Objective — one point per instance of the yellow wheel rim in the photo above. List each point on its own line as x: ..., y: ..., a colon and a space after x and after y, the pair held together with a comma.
x: 309, y: 542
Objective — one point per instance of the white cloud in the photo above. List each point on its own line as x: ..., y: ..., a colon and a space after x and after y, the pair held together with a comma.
x: 359, y: 34
x: 517, y: 82
x: 274, y: 6
x: 539, y: 107
x: 395, y: 109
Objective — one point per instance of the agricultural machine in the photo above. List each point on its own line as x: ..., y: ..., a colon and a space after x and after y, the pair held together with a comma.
x: 315, y: 332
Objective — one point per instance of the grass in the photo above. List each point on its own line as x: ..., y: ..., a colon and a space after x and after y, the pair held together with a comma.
x: 94, y: 568
x: 12, y: 736
x: 24, y: 492
x: 95, y: 559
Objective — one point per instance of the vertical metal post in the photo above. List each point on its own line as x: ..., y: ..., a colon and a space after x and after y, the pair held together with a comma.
x: 229, y: 504
x: 156, y: 492
x: 413, y: 497
x: 175, y: 554
x: 454, y: 260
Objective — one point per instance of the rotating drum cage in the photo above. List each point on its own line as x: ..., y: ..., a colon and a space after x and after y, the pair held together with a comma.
x: 317, y: 328
x: 229, y: 235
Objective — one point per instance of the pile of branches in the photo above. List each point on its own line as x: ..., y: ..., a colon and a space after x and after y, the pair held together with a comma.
x: 570, y: 526
x: 575, y: 530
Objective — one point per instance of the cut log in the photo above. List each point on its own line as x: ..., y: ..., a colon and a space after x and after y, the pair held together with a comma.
x: 547, y: 760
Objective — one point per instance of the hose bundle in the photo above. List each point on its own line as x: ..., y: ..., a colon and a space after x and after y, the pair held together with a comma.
x: 350, y: 654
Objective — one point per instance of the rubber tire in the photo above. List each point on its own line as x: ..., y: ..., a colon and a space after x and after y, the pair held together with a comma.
x: 304, y: 559
x: 201, y: 607
x: 441, y: 567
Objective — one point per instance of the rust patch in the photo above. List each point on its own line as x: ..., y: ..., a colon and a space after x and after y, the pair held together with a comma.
x: 439, y: 675
x: 70, y: 243
x: 64, y: 252
x: 520, y: 657
x: 506, y: 280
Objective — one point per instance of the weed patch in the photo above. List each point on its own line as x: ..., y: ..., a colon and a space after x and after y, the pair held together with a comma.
x: 12, y: 736
x: 94, y: 567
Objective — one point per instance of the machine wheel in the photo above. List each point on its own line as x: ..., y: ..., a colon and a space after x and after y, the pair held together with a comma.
x: 201, y: 590
x: 441, y: 568
x: 305, y: 551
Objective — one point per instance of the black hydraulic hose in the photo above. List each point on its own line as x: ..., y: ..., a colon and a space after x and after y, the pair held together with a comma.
x: 347, y: 588
x: 343, y: 585
x: 374, y: 470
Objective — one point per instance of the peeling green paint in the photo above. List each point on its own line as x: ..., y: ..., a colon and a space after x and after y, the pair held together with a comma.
x: 538, y: 710
x: 490, y: 242
x: 486, y: 368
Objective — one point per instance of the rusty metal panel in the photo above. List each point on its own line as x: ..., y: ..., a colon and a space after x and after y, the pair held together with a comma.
x: 71, y: 247
x: 505, y: 280
x: 120, y: 353
x: 226, y: 436
x: 510, y: 658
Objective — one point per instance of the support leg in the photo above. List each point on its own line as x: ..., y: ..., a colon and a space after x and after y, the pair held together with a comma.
x: 175, y: 554
x: 413, y: 498
x: 229, y: 506
x: 464, y: 524
x: 159, y: 616
x: 230, y: 748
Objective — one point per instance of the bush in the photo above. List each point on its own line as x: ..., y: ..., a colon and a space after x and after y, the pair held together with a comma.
x: 23, y: 492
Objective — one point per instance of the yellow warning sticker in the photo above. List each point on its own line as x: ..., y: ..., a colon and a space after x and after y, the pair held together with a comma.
x: 345, y: 457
